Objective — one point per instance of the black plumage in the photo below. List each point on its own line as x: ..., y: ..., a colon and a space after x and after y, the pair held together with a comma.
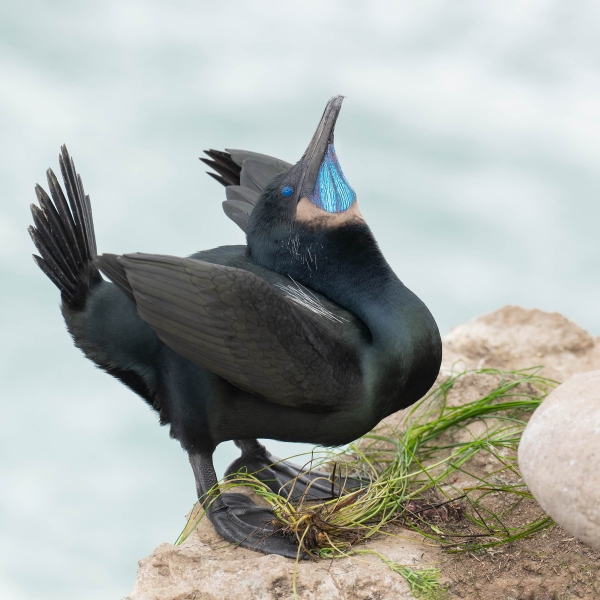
x: 305, y: 334
x: 228, y: 171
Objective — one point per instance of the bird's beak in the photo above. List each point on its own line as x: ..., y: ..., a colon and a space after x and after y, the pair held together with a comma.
x: 318, y: 175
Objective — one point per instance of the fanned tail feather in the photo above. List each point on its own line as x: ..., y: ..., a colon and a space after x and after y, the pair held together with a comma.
x: 63, y: 234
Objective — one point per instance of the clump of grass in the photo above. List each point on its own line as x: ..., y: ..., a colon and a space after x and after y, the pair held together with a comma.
x: 411, y: 474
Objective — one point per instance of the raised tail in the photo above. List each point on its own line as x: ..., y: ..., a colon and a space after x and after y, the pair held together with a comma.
x: 64, y: 234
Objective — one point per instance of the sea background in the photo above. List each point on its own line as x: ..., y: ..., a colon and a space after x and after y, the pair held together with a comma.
x: 471, y: 133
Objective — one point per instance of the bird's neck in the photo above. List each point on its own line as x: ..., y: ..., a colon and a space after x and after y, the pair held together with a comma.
x: 345, y: 264
x: 348, y: 267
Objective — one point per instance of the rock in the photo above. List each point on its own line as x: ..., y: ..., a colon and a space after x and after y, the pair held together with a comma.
x: 514, y: 338
x: 559, y: 456
x: 205, y: 567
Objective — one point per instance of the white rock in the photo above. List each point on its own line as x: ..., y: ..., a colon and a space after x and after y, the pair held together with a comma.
x: 559, y: 456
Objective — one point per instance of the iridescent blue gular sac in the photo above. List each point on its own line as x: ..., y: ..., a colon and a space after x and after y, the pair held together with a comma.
x: 332, y: 190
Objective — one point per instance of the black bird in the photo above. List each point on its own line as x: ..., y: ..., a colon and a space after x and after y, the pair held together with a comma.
x: 303, y: 335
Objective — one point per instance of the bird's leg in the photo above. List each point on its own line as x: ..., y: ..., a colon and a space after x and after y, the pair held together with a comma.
x: 235, y: 517
x: 287, y: 479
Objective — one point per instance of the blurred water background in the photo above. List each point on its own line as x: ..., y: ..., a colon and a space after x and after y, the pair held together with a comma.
x: 471, y: 133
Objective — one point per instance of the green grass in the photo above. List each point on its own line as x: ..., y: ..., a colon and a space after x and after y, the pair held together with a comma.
x: 411, y: 473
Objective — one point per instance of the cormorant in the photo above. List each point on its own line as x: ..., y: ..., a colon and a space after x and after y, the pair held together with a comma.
x: 303, y: 335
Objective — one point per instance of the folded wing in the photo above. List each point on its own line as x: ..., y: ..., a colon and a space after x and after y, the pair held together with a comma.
x: 237, y: 325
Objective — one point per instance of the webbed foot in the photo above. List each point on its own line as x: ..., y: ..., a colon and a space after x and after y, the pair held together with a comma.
x: 287, y: 479
x: 248, y: 525
x: 239, y: 520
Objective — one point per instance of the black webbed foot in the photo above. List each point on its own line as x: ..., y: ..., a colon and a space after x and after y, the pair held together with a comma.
x: 287, y: 479
x: 248, y: 525
x: 237, y: 519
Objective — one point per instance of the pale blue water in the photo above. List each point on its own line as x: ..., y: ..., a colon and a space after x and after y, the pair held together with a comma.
x: 471, y: 135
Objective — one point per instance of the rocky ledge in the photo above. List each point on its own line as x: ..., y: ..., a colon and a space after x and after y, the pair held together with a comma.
x: 207, y: 568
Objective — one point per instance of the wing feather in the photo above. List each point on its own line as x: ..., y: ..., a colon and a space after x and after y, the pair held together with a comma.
x: 237, y: 325
x: 244, y: 175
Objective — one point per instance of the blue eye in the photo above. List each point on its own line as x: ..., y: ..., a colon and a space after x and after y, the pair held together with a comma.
x: 287, y: 191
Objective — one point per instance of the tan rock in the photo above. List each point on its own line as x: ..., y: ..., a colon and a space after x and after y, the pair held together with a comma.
x: 559, y: 456
x: 515, y: 338
x: 206, y: 567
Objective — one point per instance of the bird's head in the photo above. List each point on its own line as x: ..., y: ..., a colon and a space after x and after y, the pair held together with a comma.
x: 310, y: 198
